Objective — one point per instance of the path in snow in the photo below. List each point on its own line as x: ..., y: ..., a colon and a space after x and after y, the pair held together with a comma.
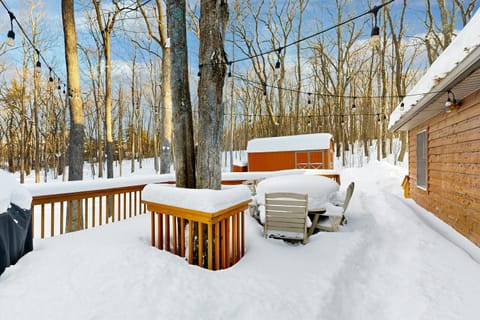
x: 401, y: 258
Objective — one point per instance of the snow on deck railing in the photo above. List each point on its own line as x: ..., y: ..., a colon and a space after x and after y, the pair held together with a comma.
x: 105, y: 201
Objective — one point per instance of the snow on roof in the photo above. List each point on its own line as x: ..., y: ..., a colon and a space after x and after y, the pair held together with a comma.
x: 315, y: 141
x: 464, y: 44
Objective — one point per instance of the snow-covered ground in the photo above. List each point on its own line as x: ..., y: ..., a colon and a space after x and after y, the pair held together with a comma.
x: 392, y: 260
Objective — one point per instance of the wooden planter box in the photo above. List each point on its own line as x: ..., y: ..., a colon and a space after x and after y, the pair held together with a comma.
x: 221, y: 237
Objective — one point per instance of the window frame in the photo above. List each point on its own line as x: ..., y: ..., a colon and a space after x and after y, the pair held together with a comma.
x: 422, y: 162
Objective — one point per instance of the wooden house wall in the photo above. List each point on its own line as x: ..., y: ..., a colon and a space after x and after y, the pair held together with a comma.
x: 453, y: 167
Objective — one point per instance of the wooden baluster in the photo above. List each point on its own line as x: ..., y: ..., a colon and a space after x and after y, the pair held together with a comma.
x: 160, y: 231
x: 200, y: 244
x: 124, y: 205
x: 100, y: 205
x: 42, y: 226
x: 224, y: 243
x: 190, y: 241
x: 130, y: 204
x: 79, y: 217
x: 242, y: 217
x: 118, y: 207
x: 152, y: 228
x: 167, y: 232
x: 93, y: 211
x: 182, y: 237
x: 85, y: 203
x: 134, y: 203
x: 227, y: 247
x: 174, y: 230
x: 69, y: 215
x: 234, y: 239
x: 61, y: 216
x: 210, y: 246
x: 52, y: 219
x: 217, y: 245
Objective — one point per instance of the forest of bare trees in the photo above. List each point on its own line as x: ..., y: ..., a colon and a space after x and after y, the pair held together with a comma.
x: 280, y: 84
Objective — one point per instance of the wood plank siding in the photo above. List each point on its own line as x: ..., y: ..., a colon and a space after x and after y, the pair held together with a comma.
x: 453, y: 167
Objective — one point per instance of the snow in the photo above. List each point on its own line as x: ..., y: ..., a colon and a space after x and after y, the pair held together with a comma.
x: 11, y: 191
x: 315, y: 141
x: 391, y: 261
x: 465, y: 42
x: 204, y: 200
x: 318, y: 189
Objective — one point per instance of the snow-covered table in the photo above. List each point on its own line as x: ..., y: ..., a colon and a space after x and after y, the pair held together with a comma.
x: 318, y: 188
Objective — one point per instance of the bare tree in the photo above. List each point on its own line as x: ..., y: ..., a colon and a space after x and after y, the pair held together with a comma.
x: 212, y: 58
x: 75, y: 103
x: 159, y: 35
x: 184, y: 153
x: 440, y: 31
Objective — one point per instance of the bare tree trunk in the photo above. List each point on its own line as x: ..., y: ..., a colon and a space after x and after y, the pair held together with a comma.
x: 214, y: 17
x: 76, y: 109
x: 184, y: 152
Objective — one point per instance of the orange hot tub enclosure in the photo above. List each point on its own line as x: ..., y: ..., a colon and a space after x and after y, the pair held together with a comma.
x: 308, y: 151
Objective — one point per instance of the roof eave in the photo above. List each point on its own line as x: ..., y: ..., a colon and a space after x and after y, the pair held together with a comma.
x: 454, y: 77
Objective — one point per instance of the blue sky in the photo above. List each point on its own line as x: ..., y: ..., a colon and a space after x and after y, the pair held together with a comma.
x: 50, y: 27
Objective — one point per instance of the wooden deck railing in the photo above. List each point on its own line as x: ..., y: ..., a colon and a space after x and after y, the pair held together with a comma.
x: 49, y: 211
x: 224, y: 230
x: 122, y: 203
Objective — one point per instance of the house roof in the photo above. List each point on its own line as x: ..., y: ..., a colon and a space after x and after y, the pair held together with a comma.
x: 316, y: 141
x: 456, y: 69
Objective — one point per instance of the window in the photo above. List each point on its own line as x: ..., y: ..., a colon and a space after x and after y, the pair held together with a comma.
x: 422, y: 159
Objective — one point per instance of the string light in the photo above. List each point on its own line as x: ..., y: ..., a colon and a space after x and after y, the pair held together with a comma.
x: 38, y: 65
x: 229, y: 74
x: 11, y: 41
x: 50, y: 78
x: 279, y: 51
x: 11, y: 34
x: 264, y: 86
x: 199, y: 73
x: 375, y: 34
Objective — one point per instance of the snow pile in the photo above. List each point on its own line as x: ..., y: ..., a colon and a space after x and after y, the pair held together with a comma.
x: 12, y: 192
x: 204, y: 200
x: 318, y: 188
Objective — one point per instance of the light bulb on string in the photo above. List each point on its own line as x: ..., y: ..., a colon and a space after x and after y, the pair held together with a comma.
x: 229, y: 74
x: 375, y: 34
x: 50, y: 78
x: 38, y: 65
x: 199, y: 73
x: 10, y: 41
x: 277, y: 64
